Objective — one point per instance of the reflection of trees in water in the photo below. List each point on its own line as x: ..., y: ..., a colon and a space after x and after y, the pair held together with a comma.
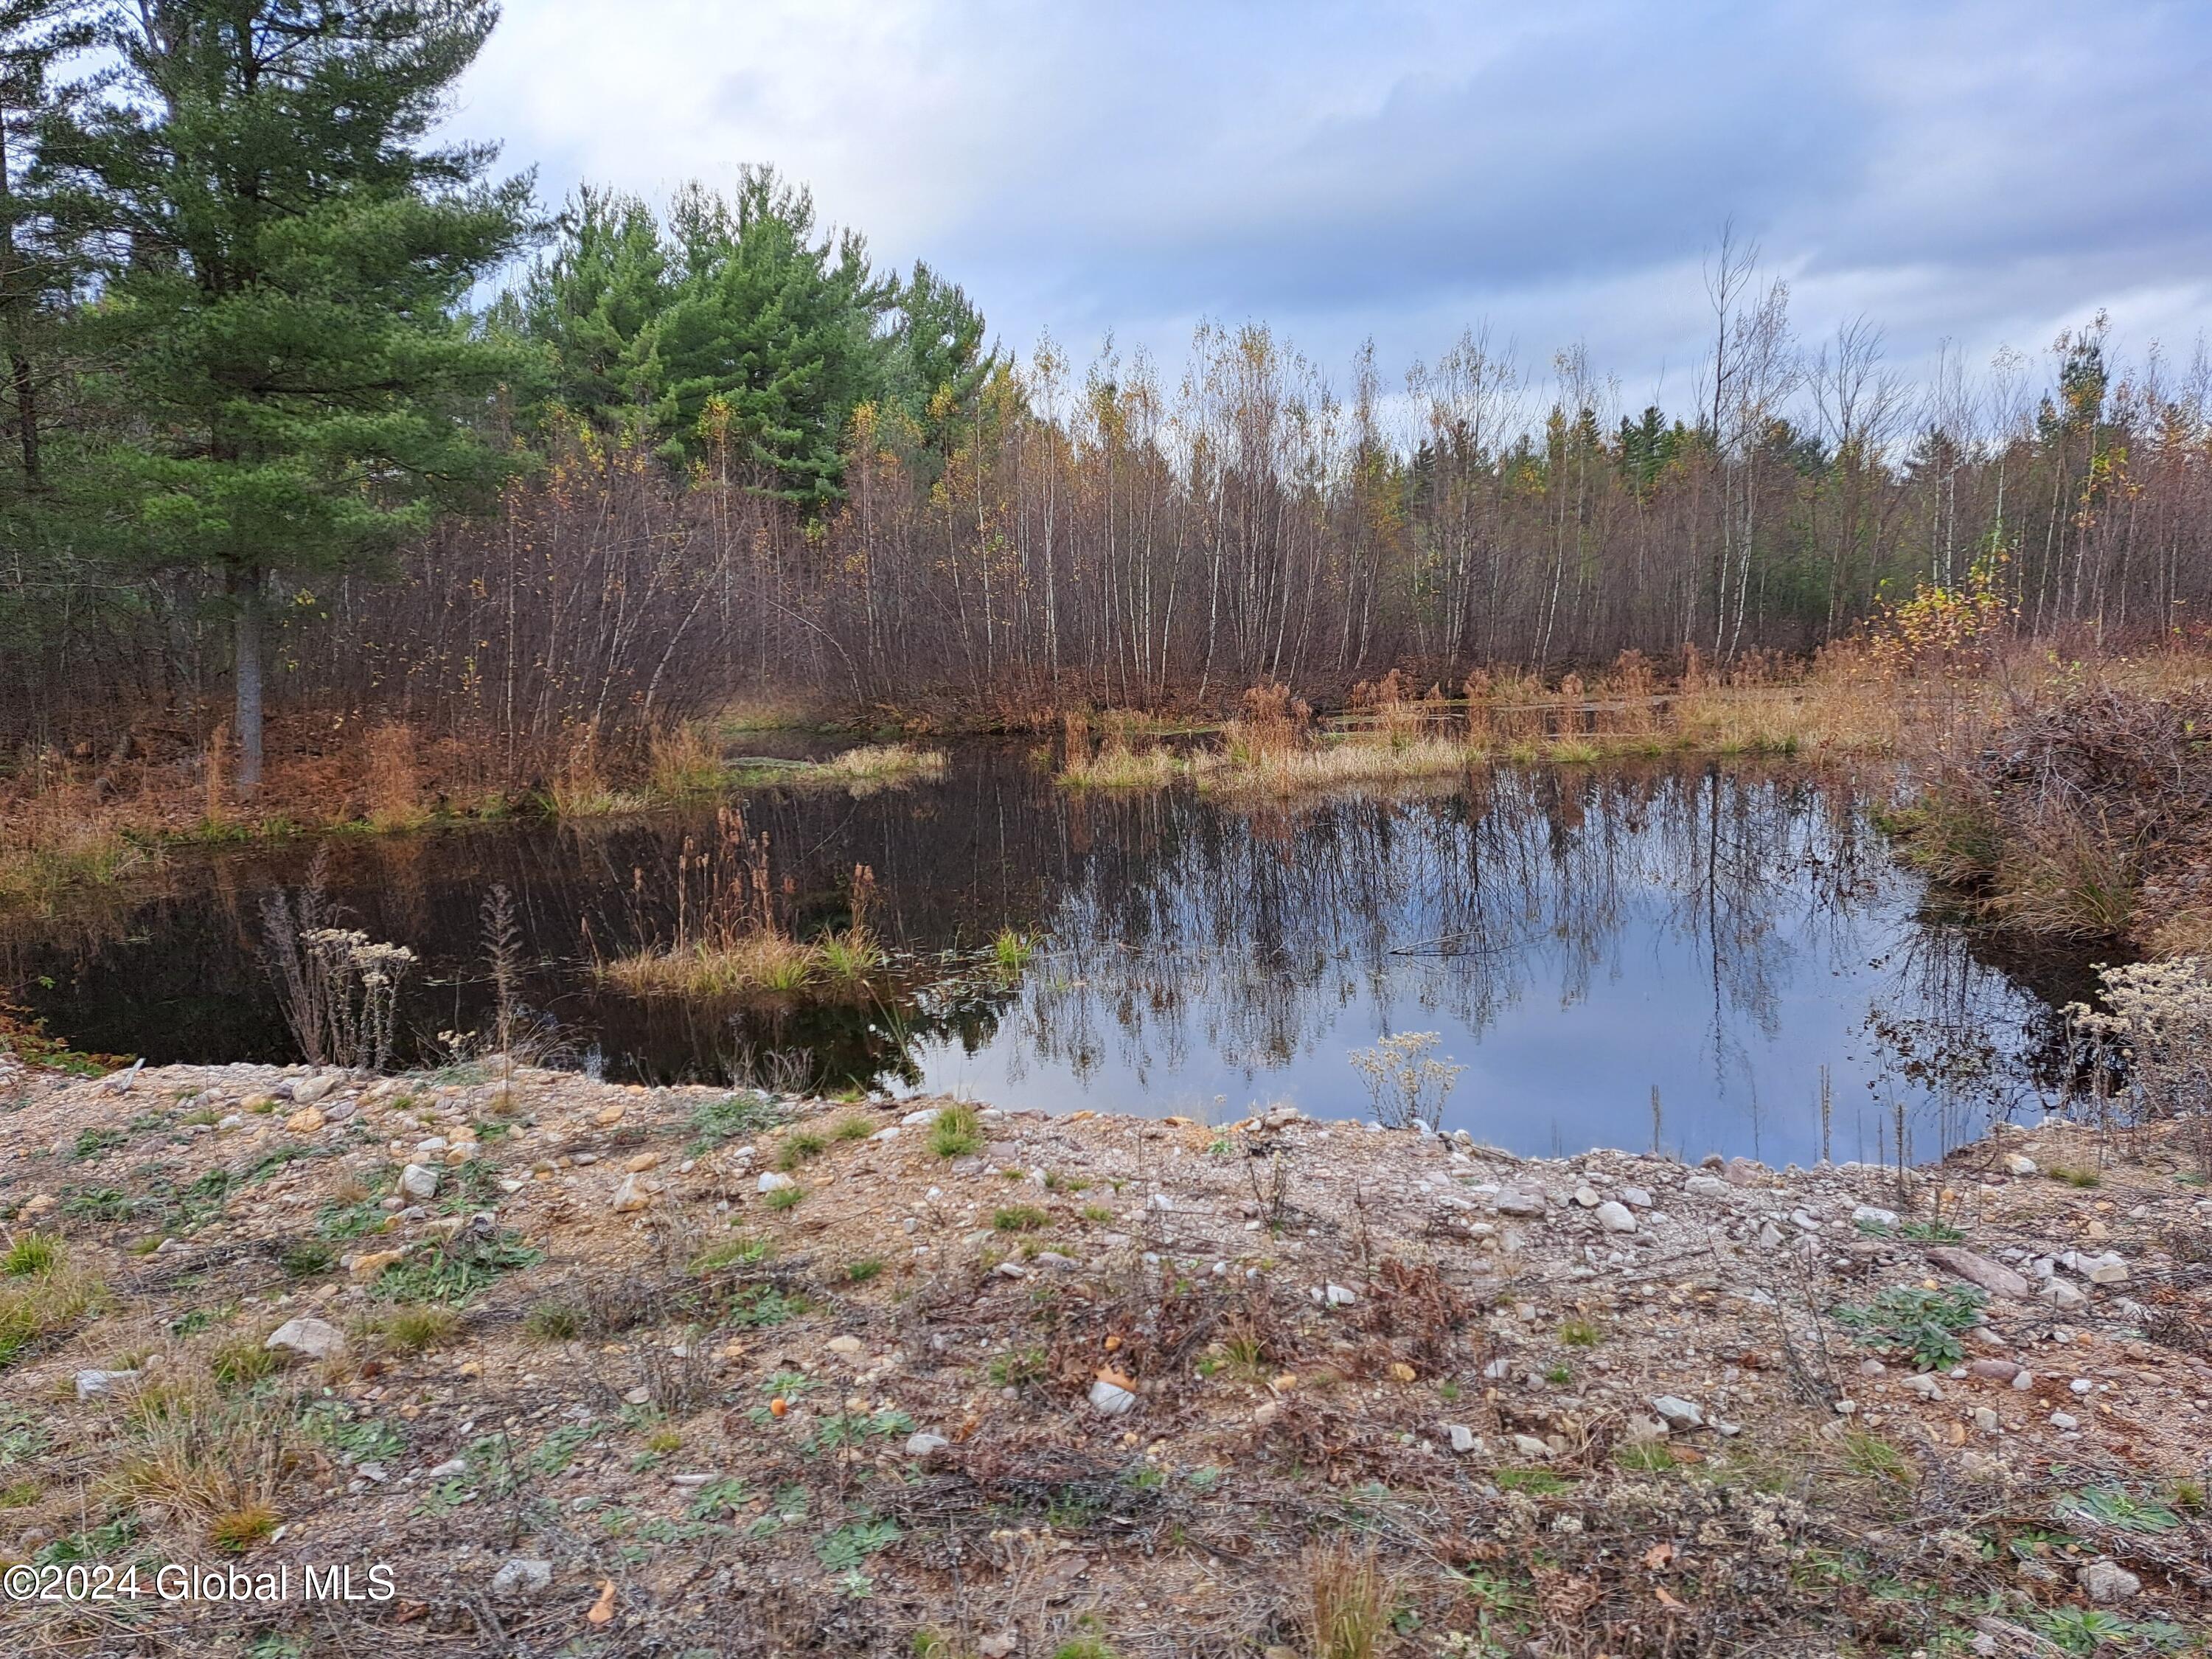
x: 1248, y: 936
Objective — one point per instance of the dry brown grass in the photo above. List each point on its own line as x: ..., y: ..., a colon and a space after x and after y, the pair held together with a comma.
x: 204, y: 1460
x: 393, y: 782
x: 878, y: 765
x: 757, y: 961
x: 1351, y: 1597
x: 43, y: 1303
x: 682, y: 762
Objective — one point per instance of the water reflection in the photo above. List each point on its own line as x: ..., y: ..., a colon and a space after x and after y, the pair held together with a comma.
x: 1578, y: 937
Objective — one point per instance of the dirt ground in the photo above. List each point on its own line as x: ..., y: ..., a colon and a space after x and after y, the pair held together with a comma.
x: 597, y: 1370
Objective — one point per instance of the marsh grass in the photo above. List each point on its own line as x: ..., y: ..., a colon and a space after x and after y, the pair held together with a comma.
x: 877, y: 764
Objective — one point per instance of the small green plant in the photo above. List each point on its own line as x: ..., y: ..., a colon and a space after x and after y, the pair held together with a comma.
x: 731, y: 1119
x: 304, y: 1258
x: 2075, y: 1175
x: 1931, y: 1232
x: 236, y: 1364
x: 853, y: 1127
x: 1097, y: 1214
x: 555, y: 1321
x: 848, y: 1548
x: 1559, y: 1376
x: 785, y: 1198
x: 955, y: 1132
x: 1536, y: 1483
x: 1018, y: 1369
x: 799, y: 1147
x: 29, y: 1254
x: 741, y: 1251
x: 1643, y: 1456
x: 1090, y: 1643
x: 860, y: 1272
x: 1011, y: 951
x: 2117, y: 1508
x: 1019, y: 1218
x: 93, y: 1143
x: 1925, y: 1324
x: 1580, y: 1332
x: 417, y: 1330
x: 1873, y: 1458
x: 455, y: 1270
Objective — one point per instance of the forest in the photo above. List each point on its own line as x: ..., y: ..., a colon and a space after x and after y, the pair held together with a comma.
x: 312, y: 419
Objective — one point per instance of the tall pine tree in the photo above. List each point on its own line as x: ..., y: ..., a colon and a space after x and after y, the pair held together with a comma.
x: 285, y: 259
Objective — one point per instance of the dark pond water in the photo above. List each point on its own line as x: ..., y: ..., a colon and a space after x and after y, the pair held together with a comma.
x: 1576, y: 937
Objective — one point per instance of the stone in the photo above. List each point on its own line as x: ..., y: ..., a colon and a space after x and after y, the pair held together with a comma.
x: 448, y: 1469
x: 1111, y: 1395
x: 305, y: 1120
x: 317, y: 1339
x: 2064, y: 1420
x: 418, y: 1182
x: 1513, y: 1201
x: 91, y: 1383
x: 1705, y: 1186
x: 522, y: 1576
x: 371, y: 1264
x: 848, y: 1346
x: 1463, y: 1439
x: 997, y: 1647
x: 1985, y: 1419
x: 923, y: 1443
x: 306, y: 1091
x: 2107, y: 1581
x: 1924, y: 1385
x: 1637, y: 1198
x: 1873, y: 1215
x: 634, y: 1193
x: 1992, y: 1276
x: 1993, y: 1370
x: 1339, y: 1296
x: 1586, y: 1197
x: 771, y: 1181
x: 2062, y: 1295
x: 1527, y: 1445
x: 1676, y: 1413
x: 1616, y: 1217
x: 641, y: 1162
x: 2017, y: 1163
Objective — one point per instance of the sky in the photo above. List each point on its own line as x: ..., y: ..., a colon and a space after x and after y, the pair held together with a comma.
x: 1973, y: 176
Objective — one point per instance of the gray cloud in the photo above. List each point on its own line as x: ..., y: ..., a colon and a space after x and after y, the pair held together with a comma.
x: 1980, y: 171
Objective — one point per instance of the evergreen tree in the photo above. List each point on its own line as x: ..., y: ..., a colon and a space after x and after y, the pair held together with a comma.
x: 935, y: 365
x: 595, y: 304
x: 284, y: 264
x: 771, y: 341
x: 34, y: 34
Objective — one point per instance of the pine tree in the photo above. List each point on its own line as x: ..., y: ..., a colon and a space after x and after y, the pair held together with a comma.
x: 771, y: 341
x: 285, y: 261
x: 594, y: 305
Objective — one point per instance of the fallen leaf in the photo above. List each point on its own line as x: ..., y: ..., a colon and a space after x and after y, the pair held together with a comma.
x: 1402, y: 1371
x: 1658, y: 1556
x: 1665, y: 1600
x: 603, y: 1610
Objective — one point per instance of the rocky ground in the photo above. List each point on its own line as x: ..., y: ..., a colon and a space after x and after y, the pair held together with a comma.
x: 592, y: 1370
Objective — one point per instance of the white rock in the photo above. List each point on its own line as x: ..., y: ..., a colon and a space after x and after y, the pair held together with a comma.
x: 521, y: 1576
x: 309, y: 1089
x: 1677, y: 1412
x: 922, y: 1445
x: 1586, y: 1197
x: 2018, y: 1165
x: 773, y: 1181
x: 1705, y: 1186
x: 1110, y: 1399
x: 1615, y: 1217
x: 1463, y: 1439
x: 1635, y: 1198
x: 1527, y: 1445
x: 1985, y: 1419
x: 2064, y: 1420
x: 1874, y: 1215
x: 418, y: 1182
x: 1924, y: 1385
x: 921, y: 1119
x: 634, y: 1193
x: 317, y: 1339
x: 91, y: 1383
x: 1511, y: 1201
x: 2107, y: 1581
x: 2062, y: 1295
x: 449, y: 1468
x: 1340, y: 1295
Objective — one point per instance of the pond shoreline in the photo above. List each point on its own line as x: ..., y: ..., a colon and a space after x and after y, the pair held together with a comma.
x: 815, y: 1340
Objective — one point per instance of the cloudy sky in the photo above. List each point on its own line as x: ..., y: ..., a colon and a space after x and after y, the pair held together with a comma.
x: 1981, y: 173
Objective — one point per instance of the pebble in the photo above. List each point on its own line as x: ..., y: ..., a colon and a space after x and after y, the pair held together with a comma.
x: 2107, y: 1581
x: 91, y: 1383
x: 635, y: 1193
x: 1109, y: 1398
x: 1702, y: 1185
x: 1615, y: 1217
x: 1874, y: 1215
x: 773, y: 1181
x: 1677, y: 1412
x: 922, y: 1445
x: 1463, y: 1439
x: 418, y: 1182
x: 317, y: 1339
x: 1985, y: 1419
x: 1994, y: 1371
x: 522, y: 1576
x: 2064, y: 1420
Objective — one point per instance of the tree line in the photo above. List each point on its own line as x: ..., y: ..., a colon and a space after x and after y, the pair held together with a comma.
x: 261, y: 433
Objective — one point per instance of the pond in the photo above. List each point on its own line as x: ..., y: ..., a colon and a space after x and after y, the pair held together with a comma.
x: 1706, y: 956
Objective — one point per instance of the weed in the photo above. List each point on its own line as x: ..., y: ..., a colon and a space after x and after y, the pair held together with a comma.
x: 1019, y: 1218
x: 38, y: 1309
x: 741, y: 1251
x: 860, y: 1272
x: 849, y: 1546
x: 1871, y: 1456
x: 955, y: 1132
x: 417, y: 1330
x: 1349, y: 1599
x: 1580, y: 1332
x: 852, y: 1126
x: 1643, y: 1456
x: 31, y: 1253
x: 800, y: 1146
x: 455, y: 1270
x: 731, y: 1119
x: 304, y: 1258
x: 1020, y: 1369
x: 785, y: 1198
x: 239, y: 1530
x: 240, y: 1363
x: 2075, y: 1175
x: 94, y: 1143
x: 2116, y: 1508
x: 1910, y: 1320
x: 1536, y: 1483
x: 554, y: 1321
